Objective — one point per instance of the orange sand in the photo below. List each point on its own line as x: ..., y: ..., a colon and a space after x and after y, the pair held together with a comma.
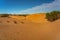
x: 29, y: 30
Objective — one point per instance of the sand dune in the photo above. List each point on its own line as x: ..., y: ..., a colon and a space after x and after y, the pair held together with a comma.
x: 14, y: 28
x: 37, y: 18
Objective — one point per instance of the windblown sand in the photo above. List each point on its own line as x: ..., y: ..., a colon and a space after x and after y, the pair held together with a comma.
x: 17, y: 28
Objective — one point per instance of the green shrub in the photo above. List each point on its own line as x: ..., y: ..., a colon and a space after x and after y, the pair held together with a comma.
x: 52, y: 16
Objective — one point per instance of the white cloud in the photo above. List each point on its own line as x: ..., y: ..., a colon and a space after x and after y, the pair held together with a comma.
x: 46, y: 7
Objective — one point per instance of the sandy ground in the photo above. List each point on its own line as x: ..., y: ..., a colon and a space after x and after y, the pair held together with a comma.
x: 14, y: 29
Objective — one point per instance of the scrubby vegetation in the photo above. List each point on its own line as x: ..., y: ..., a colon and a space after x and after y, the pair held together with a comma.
x: 4, y: 15
x: 23, y: 15
x: 15, y: 22
x: 52, y: 16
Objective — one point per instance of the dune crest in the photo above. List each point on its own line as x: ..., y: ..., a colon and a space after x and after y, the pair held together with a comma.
x: 37, y: 18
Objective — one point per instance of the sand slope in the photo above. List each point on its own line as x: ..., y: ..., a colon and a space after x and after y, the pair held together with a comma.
x: 37, y: 18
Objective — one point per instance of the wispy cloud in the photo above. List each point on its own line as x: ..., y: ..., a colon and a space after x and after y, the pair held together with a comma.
x: 47, y: 7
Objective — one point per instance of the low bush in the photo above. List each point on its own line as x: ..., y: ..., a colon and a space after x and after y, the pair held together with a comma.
x: 52, y: 16
x: 4, y: 15
x: 24, y: 15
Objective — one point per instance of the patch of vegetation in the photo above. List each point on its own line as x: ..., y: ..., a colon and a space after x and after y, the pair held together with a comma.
x: 0, y: 21
x: 8, y: 21
x: 22, y: 22
x: 4, y: 15
x: 24, y: 15
x: 15, y: 22
x: 52, y: 16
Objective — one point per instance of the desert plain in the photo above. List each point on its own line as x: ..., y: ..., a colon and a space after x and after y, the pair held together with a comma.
x: 31, y: 27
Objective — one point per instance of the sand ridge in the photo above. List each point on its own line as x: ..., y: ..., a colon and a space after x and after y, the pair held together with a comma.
x: 37, y: 18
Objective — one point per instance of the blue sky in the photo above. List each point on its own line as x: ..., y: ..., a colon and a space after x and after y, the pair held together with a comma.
x: 28, y: 6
